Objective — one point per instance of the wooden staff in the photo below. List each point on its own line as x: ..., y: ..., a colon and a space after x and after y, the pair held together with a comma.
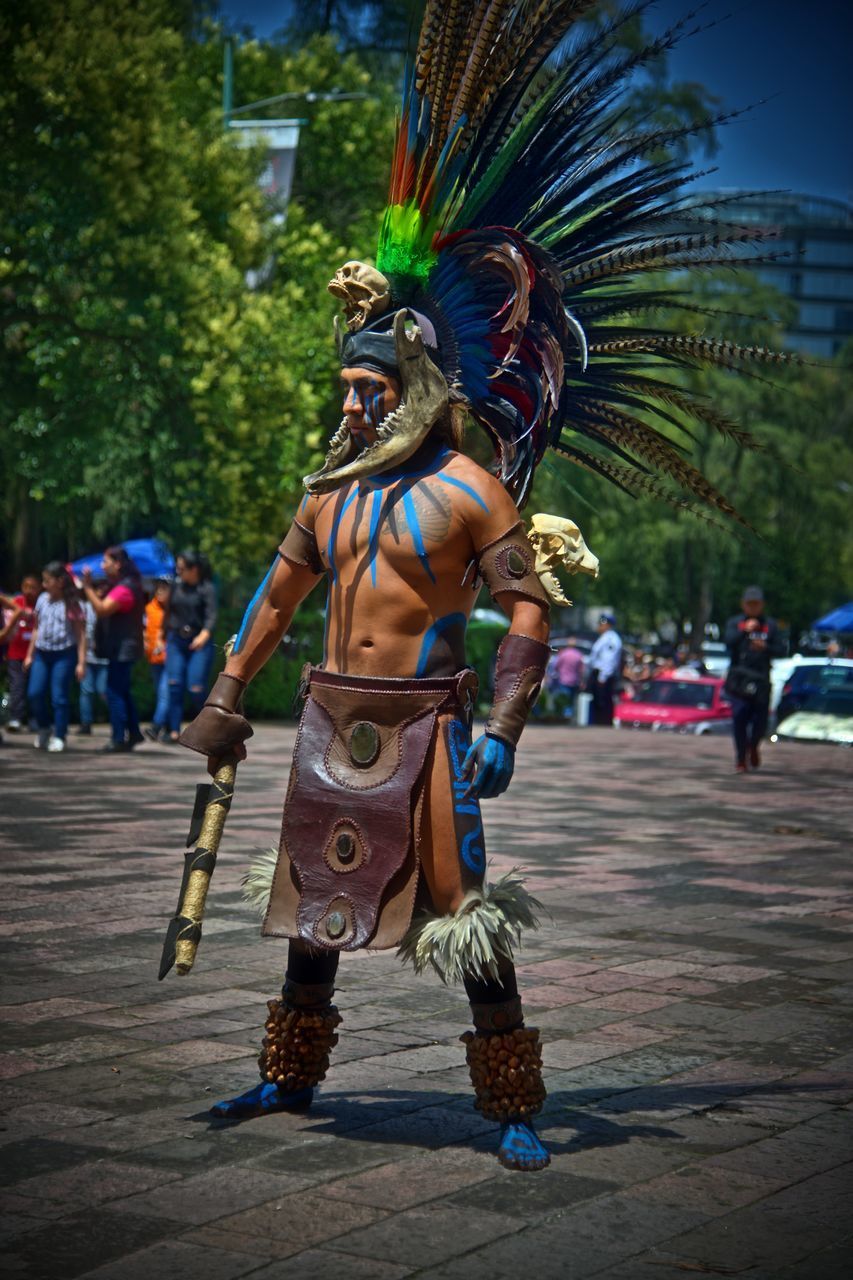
x: 213, y: 800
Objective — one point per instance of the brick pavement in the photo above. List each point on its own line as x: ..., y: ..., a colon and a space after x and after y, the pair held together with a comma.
x: 693, y: 985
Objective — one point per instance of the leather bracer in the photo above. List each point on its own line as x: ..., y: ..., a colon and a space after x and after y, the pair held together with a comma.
x: 300, y: 547
x: 508, y: 564
x: 220, y: 726
x: 519, y: 672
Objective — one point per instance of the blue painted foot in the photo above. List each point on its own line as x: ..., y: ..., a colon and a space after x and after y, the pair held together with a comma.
x: 521, y: 1147
x: 260, y: 1100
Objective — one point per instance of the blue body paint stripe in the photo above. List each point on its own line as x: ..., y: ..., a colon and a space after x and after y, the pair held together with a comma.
x: 373, y: 543
x: 249, y: 614
x: 472, y: 852
x: 385, y: 478
x: 333, y: 536
x: 466, y: 488
x: 415, y: 530
x: 437, y: 629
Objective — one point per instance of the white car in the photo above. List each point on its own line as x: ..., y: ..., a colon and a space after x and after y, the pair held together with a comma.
x: 817, y: 702
x: 715, y: 656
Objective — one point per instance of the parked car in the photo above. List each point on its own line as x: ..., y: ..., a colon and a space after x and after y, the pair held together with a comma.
x: 715, y: 656
x: 683, y: 706
x: 809, y: 680
x: 828, y: 718
x: 582, y: 642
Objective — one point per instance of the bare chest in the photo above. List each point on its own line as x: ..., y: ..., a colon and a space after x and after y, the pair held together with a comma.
x: 410, y: 530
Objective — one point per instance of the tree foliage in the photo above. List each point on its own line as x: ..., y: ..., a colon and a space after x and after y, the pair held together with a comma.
x: 147, y: 387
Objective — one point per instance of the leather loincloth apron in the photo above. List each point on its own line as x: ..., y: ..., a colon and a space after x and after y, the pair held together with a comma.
x: 375, y: 797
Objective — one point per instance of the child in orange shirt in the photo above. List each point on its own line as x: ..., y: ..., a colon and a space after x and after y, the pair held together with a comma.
x: 155, y: 654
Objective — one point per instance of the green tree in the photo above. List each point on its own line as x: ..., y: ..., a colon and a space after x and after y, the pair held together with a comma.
x: 147, y: 388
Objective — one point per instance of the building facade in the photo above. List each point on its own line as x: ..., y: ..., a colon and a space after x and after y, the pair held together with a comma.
x: 817, y: 271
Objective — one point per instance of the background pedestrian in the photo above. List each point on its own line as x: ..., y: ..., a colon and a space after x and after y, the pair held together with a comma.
x: 753, y: 640
x: 121, y: 611
x: 17, y: 648
x: 57, y: 652
x: 605, y: 666
x: 567, y: 675
x: 155, y: 654
x: 190, y: 620
x: 94, y: 683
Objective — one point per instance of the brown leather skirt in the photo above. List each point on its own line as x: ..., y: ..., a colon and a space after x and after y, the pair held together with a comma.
x: 375, y: 804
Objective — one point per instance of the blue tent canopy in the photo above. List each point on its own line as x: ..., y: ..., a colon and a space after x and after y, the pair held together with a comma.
x: 152, y: 558
x: 840, y: 619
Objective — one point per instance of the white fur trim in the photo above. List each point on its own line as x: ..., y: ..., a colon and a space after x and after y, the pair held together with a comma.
x: 257, y: 882
x: 473, y: 940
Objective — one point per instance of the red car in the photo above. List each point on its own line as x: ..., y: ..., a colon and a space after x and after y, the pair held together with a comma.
x: 674, y: 704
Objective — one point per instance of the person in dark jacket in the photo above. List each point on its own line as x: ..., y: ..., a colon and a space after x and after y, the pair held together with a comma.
x: 753, y: 640
x: 120, y: 613
x: 189, y: 624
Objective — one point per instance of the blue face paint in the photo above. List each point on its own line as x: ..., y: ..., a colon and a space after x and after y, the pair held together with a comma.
x: 374, y: 403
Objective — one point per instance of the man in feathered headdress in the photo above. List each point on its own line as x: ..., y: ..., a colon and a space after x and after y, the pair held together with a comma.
x: 522, y: 224
x: 382, y: 840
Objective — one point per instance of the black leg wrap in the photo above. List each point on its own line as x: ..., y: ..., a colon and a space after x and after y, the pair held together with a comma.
x: 495, y: 1003
x: 311, y: 967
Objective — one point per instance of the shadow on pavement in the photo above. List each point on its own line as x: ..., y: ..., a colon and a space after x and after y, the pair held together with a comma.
x: 436, y: 1118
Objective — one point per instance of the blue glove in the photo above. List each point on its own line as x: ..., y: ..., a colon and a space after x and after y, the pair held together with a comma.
x: 494, y: 761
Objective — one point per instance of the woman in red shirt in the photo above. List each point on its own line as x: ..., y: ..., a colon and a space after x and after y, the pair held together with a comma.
x: 17, y: 648
x: 122, y: 609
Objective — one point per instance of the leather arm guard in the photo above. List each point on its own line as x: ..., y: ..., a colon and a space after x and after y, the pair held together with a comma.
x: 519, y: 673
x: 300, y: 547
x: 220, y: 726
x: 507, y: 564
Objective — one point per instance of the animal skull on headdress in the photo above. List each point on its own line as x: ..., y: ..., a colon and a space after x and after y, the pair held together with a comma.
x: 558, y: 543
x: 364, y: 291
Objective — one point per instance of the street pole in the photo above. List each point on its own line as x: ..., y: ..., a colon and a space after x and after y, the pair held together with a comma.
x: 228, y: 80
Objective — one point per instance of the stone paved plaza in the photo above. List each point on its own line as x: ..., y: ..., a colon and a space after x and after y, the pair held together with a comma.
x: 693, y: 980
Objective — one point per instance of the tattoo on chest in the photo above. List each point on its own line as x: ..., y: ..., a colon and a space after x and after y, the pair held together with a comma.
x: 413, y: 512
x: 432, y: 510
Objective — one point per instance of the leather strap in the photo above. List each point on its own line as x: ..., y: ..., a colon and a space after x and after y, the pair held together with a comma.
x: 307, y: 995
x: 519, y: 672
x: 505, y: 1016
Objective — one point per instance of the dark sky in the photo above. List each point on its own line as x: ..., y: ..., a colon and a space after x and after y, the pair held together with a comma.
x: 794, y: 52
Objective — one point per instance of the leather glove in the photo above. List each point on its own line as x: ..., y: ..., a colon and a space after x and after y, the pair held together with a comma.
x: 220, y: 728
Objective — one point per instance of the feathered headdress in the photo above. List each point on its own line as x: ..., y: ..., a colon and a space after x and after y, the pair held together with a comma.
x: 529, y: 222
